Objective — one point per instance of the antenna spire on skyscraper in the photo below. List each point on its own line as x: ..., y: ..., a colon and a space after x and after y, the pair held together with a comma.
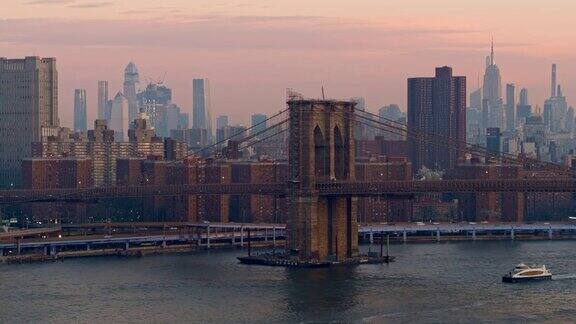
x: 554, y: 85
x: 492, y: 52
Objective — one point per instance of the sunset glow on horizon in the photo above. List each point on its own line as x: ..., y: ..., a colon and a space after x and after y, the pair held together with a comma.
x: 253, y: 50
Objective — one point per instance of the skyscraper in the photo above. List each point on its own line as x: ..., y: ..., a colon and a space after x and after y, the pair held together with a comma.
x: 80, y: 119
x: 510, y: 107
x: 570, y: 120
x: 523, y: 97
x: 28, y: 109
x: 523, y: 110
x: 183, y: 120
x: 437, y: 105
x: 476, y: 99
x: 492, y: 92
x: 553, y: 82
x: 391, y: 111
x: 222, y: 122
x: 131, y: 85
x: 556, y: 107
x: 493, y: 141
x: 201, y: 106
x: 119, y: 118
x: 103, y: 111
x: 155, y: 101
x: 258, y: 123
x: 390, y: 115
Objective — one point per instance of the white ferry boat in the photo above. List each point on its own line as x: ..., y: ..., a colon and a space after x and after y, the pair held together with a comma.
x: 523, y: 272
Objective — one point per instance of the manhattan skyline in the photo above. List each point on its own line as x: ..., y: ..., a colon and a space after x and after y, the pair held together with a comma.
x: 253, y: 52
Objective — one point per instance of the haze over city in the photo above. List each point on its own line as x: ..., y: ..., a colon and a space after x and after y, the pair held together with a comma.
x: 287, y: 161
x: 252, y: 50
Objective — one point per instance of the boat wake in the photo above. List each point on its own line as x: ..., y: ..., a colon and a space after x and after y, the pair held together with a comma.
x: 564, y: 276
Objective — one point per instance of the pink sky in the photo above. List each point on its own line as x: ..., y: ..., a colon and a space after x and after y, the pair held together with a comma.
x: 253, y: 50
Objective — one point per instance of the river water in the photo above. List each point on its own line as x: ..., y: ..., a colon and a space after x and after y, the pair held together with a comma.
x: 445, y: 282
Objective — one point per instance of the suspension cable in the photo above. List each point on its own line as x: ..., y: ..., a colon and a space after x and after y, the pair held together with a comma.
x: 443, y: 143
x: 512, y: 157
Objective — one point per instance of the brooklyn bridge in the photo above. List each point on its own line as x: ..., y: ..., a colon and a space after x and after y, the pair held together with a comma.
x: 322, y: 189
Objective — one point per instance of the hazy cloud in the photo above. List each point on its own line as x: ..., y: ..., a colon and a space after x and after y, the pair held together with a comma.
x: 48, y: 2
x: 224, y: 32
x: 88, y: 5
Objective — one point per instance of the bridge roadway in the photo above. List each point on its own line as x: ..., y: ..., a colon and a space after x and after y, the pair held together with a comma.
x: 236, y: 233
x: 462, y: 227
x: 280, y: 189
x: 511, y: 229
x: 28, y: 232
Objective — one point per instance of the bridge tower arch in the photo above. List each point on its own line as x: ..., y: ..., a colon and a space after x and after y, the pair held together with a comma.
x: 321, y: 149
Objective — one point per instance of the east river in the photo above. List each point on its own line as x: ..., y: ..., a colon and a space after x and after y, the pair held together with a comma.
x: 446, y: 282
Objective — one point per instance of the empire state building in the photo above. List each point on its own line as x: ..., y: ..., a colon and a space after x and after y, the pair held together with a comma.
x: 492, y: 107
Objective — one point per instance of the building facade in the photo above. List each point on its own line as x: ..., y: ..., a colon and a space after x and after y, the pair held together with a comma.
x: 80, y: 117
x: 103, y: 107
x: 523, y: 110
x: 510, y: 107
x: 437, y: 112
x: 131, y: 86
x: 155, y: 101
x: 28, y: 108
x: 103, y: 151
x: 201, y: 105
x: 492, y: 93
x: 258, y: 123
x: 119, y: 118
x: 493, y: 141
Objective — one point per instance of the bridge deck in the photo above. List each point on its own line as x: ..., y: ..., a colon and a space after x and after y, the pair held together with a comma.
x: 461, y: 227
x: 282, y: 189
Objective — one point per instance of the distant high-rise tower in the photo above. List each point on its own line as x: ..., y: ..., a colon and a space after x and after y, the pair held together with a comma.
x: 391, y: 111
x: 155, y: 101
x: 103, y: 111
x: 492, y: 92
x: 201, y: 106
x: 510, y: 107
x: 222, y: 129
x: 28, y: 108
x: 119, y: 118
x: 524, y: 97
x: 493, y: 141
x: 390, y: 115
x: 131, y: 85
x: 222, y: 122
x: 258, y: 123
x: 437, y: 105
x: 476, y: 99
x: 80, y: 119
x: 553, y: 82
x: 523, y: 110
x: 556, y: 107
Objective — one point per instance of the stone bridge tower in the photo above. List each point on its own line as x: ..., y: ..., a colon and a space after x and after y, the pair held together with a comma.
x: 321, y: 149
